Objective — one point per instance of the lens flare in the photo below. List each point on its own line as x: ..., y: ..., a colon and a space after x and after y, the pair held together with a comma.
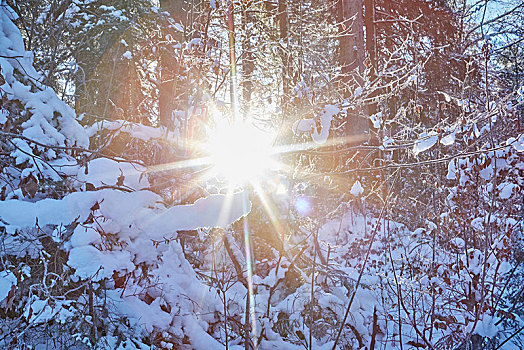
x: 240, y: 153
x: 303, y: 206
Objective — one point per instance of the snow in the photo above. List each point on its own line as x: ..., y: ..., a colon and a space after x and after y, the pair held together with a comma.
x: 91, y: 263
x: 7, y: 280
x: 132, y: 214
x: 478, y: 223
x: 23, y: 152
x: 104, y: 171
x: 356, y: 189
x: 464, y: 104
x: 43, y: 117
x: 303, y: 125
x: 44, y: 310
x: 200, y: 338
x: 84, y: 236
x: 487, y: 172
x: 447, y: 98
x: 193, y: 43
x: 217, y: 210
x: 507, y: 190
x: 128, y: 55
x: 123, y: 229
x: 505, y: 267
x: 126, y: 209
x: 376, y: 119
x: 3, y: 116
x: 141, y: 132
x: 309, y: 125
x: 520, y: 94
x: 517, y: 143
x: 43, y: 103
x: 325, y: 121
x: 457, y: 242
x: 386, y: 142
x: 449, y: 139
x: 19, y: 214
x: 425, y: 142
x: 178, y: 27
x: 486, y: 327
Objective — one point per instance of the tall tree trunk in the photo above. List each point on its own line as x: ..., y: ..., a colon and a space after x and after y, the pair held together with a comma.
x: 165, y: 90
x: 351, y: 40
x: 351, y: 58
x: 247, y: 59
x: 369, y: 21
x: 283, y: 25
x: 169, y: 65
x: 232, y: 59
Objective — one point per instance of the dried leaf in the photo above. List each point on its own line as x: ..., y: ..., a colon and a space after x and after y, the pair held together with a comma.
x: 120, y: 281
x: 10, y: 298
x: 415, y: 344
x: 29, y: 186
x: 120, y: 181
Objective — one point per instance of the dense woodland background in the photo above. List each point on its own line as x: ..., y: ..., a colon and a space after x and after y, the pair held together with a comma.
x: 396, y: 222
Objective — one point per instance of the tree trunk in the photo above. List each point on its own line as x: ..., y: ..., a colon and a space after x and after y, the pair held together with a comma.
x: 169, y: 65
x: 351, y: 59
x: 283, y: 25
x: 369, y: 21
x: 247, y: 59
x: 351, y: 41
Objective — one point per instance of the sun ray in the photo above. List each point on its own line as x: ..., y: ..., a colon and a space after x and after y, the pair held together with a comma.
x: 249, y: 267
x: 226, y: 206
x: 180, y: 165
x: 234, y: 151
x: 311, y: 145
x: 269, y: 209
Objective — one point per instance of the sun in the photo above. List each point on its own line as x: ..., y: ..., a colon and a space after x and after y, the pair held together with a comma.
x: 240, y: 153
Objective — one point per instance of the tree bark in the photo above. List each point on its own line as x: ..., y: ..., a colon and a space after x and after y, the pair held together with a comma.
x: 369, y: 21
x: 351, y: 40
x: 169, y: 65
x: 283, y: 26
x: 247, y: 59
x: 351, y: 58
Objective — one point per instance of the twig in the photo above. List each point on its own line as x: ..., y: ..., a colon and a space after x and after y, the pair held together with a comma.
x: 511, y: 336
x: 361, y: 273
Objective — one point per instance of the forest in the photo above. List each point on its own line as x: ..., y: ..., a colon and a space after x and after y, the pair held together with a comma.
x: 262, y: 174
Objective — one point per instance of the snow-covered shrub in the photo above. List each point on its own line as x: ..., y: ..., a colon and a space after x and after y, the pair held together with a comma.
x: 89, y: 254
